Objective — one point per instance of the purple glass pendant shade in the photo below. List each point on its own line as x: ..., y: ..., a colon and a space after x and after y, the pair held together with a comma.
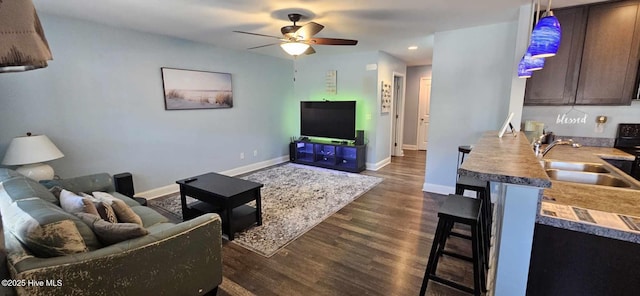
x: 545, y: 38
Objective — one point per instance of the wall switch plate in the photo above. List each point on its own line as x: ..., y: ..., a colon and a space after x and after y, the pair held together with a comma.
x: 255, y: 152
x: 241, y: 155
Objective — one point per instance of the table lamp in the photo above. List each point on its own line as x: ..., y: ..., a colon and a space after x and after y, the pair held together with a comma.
x: 30, y: 152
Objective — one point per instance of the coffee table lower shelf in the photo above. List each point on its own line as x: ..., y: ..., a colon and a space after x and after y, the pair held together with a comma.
x: 243, y: 217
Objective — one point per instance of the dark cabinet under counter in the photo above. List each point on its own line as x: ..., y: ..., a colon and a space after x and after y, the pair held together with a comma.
x: 566, y: 262
x: 624, y: 165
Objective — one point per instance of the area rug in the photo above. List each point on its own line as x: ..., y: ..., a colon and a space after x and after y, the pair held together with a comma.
x: 295, y: 198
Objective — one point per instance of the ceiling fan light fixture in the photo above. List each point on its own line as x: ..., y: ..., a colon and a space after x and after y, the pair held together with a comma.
x: 294, y: 48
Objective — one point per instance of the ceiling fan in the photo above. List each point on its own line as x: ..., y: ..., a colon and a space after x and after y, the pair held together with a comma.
x: 297, y: 40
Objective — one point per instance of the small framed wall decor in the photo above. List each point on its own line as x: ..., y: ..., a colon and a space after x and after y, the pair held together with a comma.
x: 385, y: 97
x: 190, y: 89
x: 331, y: 82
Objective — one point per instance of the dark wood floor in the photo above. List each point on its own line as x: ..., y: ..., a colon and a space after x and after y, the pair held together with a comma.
x: 377, y: 245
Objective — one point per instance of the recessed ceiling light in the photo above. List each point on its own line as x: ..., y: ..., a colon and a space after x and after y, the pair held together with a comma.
x: 413, y: 47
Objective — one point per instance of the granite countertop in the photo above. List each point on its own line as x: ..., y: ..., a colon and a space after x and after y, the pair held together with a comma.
x: 603, y: 199
x: 507, y: 160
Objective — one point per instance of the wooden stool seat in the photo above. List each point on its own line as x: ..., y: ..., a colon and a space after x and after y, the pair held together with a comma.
x: 471, y: 183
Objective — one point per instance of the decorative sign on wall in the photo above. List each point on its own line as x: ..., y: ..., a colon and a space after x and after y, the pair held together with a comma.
x: 573, y: 116
x: 385, y: 98
x: 331, y: 82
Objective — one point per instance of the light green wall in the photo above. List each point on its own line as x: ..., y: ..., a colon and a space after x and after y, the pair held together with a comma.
x: 354, y: 82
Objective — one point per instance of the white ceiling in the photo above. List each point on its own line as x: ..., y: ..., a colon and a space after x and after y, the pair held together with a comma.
x: 390, y: 26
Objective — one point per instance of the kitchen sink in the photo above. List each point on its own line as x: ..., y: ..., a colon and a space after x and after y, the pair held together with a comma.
x: 587, y: 178
x: 574, y: 166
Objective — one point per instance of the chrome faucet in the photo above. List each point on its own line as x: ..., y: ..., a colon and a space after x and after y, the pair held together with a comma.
x: 556, y: 143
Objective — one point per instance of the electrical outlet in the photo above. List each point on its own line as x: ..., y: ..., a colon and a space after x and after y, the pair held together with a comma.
x: 255, y: 153
x: 241, y: 155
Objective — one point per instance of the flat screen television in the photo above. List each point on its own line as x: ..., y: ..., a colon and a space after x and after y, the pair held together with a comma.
x: 328, y: 119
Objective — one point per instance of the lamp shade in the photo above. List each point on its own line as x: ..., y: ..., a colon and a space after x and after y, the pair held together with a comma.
x: 31, y: 149
x: 545, y: 38
x: 294, y: 48
x: 23, y: 46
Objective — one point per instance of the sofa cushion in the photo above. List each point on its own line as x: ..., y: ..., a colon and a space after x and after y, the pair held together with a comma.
x: 111, y: 233
x: 8, y: 174
x: 73, y: 203
x: 46, y: 230
x: 88, y: 183
x: 22, y: 187
x: 46, y: 212
x: 122, y: 210
x: 149, y: 217
x: 106, y: 212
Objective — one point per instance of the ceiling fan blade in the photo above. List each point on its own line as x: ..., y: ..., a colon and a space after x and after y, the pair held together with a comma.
x: 331, y: 41
x: 308, y: 30
x: 309, y: 51
x: 263, y: 45
x: 256, y: 34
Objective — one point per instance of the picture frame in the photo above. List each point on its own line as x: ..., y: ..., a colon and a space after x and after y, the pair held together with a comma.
x: 506, y: 123
x: 194, y: 89
x: 385, y: 97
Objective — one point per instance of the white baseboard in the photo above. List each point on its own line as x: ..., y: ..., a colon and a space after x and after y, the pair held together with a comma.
x: 255, y: 166
x: 444, y: 190
x: 175, y: 188
x: 378, y: 165
x: 409, y: 147
x: 159, y: 192
x: 439, y: 189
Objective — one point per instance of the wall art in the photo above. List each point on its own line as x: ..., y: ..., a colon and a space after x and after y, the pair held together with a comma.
x: 190, y: 89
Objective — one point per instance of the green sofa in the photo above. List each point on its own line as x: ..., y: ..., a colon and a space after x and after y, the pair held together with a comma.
x: 173, y: 259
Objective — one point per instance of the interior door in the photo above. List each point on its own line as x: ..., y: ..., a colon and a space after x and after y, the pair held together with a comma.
x: 423, y: 115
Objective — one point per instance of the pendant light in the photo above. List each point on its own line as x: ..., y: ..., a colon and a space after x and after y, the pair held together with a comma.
x: 527, y: 65
x: 546, y: 35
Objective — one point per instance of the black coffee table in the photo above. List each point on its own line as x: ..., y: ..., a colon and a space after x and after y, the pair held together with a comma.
x: 224, y: 195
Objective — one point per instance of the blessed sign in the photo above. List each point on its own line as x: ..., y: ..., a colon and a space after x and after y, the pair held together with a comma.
x: 564, y: 119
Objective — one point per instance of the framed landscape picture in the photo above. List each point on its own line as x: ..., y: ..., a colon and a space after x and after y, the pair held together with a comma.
x: 189, y: 89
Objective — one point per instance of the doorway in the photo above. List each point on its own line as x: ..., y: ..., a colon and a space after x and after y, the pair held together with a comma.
x: 397, y: 117
x: 424, y: 96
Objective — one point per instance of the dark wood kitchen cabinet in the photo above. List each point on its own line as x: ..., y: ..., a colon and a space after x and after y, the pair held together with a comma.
x: 557, y: 82
x: 610, y: 55
x: 597, y: 62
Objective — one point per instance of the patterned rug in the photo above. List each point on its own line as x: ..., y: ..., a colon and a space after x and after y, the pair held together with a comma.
x: 295, y: 198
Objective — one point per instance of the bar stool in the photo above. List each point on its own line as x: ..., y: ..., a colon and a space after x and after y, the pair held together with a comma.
x: 457, y: 209
x: 483, y: 192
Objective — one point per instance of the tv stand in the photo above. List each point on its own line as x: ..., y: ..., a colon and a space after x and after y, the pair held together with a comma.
x: 337, y: 155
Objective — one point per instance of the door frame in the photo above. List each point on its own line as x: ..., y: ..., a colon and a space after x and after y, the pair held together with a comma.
x: 397, y: 126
